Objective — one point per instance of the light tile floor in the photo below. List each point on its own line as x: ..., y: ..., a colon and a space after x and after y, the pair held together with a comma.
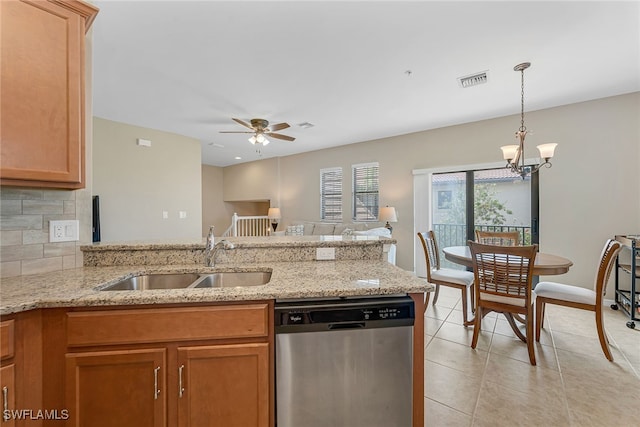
x: 573, y: 383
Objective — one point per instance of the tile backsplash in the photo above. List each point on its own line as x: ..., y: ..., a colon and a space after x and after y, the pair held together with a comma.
x: 24, y: 229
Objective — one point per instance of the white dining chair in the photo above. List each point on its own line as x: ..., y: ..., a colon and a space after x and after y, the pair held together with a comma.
x: 579, y: 297
x: 459, y: 279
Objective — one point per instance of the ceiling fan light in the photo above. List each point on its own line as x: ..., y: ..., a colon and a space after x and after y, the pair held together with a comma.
x: 253, y: 139
x: 265, y: 141
x: 260, y: 138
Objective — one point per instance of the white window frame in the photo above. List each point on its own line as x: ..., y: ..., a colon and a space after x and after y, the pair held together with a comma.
x: 354, y: 199
x: 324, y: 194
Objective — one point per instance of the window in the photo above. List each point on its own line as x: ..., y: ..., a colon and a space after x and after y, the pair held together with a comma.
x: 331, y: 194
x: 365, y: 192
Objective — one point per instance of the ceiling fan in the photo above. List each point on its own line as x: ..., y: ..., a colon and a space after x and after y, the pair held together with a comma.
x: 260, y: 129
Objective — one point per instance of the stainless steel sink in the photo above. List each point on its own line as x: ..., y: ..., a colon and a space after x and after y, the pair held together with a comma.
x: 226, y: 279
x: 154, y: 281
x: 231, y: 279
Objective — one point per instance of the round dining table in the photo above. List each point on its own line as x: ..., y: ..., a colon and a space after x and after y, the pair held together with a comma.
x: 545, y: 264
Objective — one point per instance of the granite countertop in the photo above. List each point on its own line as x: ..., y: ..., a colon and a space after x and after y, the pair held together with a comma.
x: 80, y: 287
x: 245, y: 242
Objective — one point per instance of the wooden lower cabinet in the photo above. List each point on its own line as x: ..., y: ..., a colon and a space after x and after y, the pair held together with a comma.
x: 195, y: 366
x: 8, y: 394
x: 224, y: 385
x: 117, y: 388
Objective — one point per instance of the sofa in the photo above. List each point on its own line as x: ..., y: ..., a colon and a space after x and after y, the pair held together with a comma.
x: 310, y: 228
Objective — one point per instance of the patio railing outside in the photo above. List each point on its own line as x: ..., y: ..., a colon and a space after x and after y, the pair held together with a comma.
x: 456, y: 235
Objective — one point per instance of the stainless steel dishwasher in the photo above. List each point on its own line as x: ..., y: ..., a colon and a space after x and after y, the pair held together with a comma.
x: 344, y: 362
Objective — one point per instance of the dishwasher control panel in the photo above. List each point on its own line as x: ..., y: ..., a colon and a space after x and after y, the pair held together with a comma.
x: 344, y: 311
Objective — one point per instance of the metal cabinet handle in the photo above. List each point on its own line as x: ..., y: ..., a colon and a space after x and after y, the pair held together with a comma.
x: 180, y: 385
x: 5, y: 403
x: 156, y: 392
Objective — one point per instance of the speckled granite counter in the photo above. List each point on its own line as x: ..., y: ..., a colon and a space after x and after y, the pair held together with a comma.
x: 359, y: 270
x: 246, y: 249
x: 313, y: 279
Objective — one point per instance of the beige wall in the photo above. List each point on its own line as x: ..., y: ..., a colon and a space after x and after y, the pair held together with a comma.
x: 591, y: 193
x: 257, y: 180
x: 214, y: 210
x: 137, y: 184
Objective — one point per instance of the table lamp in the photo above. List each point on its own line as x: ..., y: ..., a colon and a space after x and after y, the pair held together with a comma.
x: 388, y: 214
x: 274, y: 215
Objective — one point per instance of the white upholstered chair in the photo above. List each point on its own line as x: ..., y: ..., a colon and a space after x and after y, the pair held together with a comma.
x: 581, y: 298
x: 459, y: 279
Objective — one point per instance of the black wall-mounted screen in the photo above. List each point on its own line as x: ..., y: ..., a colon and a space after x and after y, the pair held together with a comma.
x: 96, y: 218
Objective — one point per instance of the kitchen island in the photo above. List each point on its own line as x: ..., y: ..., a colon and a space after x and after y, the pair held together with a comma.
x: 67, y: 316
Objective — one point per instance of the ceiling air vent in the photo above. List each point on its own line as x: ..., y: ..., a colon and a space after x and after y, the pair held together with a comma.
x: 473, y: 80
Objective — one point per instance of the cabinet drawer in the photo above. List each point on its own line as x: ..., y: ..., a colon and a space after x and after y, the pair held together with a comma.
x: 167, y: 324
x: 7, y: 340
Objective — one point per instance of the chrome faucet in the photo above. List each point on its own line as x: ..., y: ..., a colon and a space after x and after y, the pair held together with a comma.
x: 212, y: 248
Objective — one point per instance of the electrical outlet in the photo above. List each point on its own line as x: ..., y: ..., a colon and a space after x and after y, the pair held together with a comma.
x: 325, y: 254
x: 64, y: 231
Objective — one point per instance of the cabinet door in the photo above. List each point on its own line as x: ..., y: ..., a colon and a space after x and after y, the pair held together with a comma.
x: 42, y: 77
x: 8, y: 394
x: 225, y: 385
x: 117, y: 388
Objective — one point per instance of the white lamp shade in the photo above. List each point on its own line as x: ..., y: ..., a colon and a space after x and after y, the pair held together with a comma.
x: 274, y: 213
x: 253, y: 139
x: 547, y: 150
x: 388, y: 214
x: 509, y: 152
x: 265, y: 141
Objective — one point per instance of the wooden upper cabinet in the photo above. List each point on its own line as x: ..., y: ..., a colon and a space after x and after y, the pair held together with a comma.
x: 42, y: 115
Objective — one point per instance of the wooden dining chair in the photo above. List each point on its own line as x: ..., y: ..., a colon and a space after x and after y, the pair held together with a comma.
x: 500, y: 238
x: 503, y: 284
x: 459, y: 279
x: 581, y: 298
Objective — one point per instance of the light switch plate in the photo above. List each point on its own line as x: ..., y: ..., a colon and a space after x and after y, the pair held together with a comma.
x: 325, y: 254
x: 64, y: 231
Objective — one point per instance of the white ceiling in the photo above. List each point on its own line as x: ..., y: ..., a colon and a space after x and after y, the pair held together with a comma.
x: 189, y: 67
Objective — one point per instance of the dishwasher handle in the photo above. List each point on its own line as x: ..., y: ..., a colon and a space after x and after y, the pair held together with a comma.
x: 350, y: 325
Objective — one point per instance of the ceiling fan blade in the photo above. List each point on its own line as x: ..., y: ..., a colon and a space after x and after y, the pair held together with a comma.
x: 280, y: 136
x: 245, y: 124
x: 278, y: 126
x: 234, y: 131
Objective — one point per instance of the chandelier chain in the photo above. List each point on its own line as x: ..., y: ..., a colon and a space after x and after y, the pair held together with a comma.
x: 522, y: 127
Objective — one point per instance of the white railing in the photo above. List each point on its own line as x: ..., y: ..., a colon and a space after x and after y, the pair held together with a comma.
x: 259, y: 225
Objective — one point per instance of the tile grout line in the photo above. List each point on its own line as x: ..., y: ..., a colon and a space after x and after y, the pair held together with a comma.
x: 555, y: 352
x: 484, y: 371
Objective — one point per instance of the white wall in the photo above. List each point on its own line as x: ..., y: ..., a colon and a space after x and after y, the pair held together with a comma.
x: 136, y: 183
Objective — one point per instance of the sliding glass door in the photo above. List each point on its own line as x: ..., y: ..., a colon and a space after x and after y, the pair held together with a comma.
x: 487, y: 199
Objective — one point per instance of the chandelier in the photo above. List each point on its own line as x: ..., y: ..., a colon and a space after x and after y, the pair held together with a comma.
x: 514, y: 154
